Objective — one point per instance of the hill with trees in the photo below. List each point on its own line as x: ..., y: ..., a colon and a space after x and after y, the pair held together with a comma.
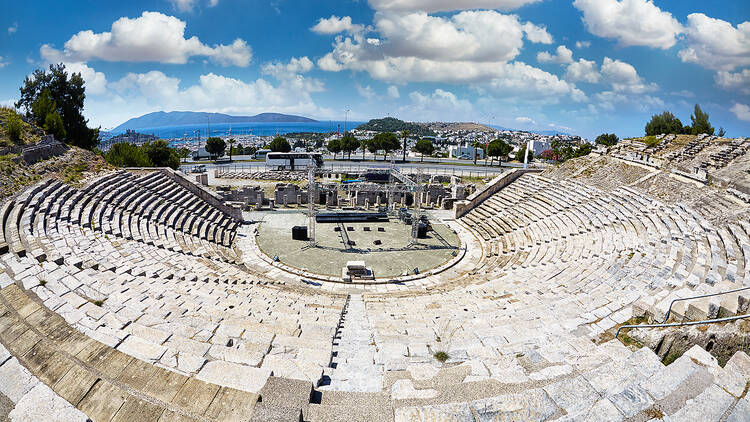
x: 391, y: 124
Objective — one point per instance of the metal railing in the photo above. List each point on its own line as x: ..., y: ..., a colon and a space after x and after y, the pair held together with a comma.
x: 445, y: 170
x: 678, y: 324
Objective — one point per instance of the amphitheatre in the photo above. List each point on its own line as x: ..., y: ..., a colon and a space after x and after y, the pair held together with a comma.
x: 141, y: 295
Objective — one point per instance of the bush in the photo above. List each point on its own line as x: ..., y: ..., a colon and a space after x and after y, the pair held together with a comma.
x: 53, y: 125
x: 664, y: 123
x: 608, y: 139
x: 15, y: 126
x: 161, y: 155
x: 127, y: 155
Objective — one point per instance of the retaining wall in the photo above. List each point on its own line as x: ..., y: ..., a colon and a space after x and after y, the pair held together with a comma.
x: 460, y: 208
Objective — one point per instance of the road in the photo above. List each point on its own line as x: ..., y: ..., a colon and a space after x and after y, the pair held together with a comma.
x: 432, y: 166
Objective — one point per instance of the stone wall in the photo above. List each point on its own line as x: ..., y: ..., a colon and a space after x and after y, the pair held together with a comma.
x: 460, y: 208
x: 47, y: 148
x: 212, y: 198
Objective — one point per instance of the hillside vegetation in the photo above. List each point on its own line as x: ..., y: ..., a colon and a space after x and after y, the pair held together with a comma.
x: 391, y: 124
x: 23, y: 133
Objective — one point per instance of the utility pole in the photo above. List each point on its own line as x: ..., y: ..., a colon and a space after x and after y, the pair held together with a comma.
x: 346, y: 117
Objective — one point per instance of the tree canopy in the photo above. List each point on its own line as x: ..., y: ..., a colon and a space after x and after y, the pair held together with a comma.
x: 349, y: 143
x: 700, y: 122
x: 334, y: 145
x: 610, y: 139
x: 521, y: 155
x: 385, y: 141
x: 151, y: 154
x: 424, y: 147
x: 161, y: 155
x: 66, y: 97
x: 279, y: 144
x: 665, y: 122
x: 215, y: 146
x: 499, y: 149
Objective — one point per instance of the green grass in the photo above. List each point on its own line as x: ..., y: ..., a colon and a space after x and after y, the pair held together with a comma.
x: 441, y: 357
x: 651, y: 140
x: 74, y: 174
x: 98, y: 302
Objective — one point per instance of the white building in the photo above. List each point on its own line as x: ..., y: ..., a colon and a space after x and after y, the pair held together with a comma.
x: 465, y: 152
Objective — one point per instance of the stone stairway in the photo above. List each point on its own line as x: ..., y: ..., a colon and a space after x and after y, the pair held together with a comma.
x: 354, y: 363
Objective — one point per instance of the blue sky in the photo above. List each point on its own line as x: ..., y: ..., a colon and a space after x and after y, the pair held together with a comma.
x: 580, y: 66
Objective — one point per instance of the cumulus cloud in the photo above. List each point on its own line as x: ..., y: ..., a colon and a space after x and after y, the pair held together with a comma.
x: 583, y: 70
x: 624, y: 78
x: 393, y: 92
x: 563, y: 56
x: 583, y: 44
x: 13, y: 28
x: 3, y: 63
x: 469, y: 47
x: 295, y: 66
x: 213, y: 3
x: 336, y: 25
x: 631, y: 22
x: 526, y: 120
x: 434, y: 106
x: 742, y: 111
x: 152, y: 37
x: 365, y: 91
x: 739, y: 81
x: 446, y: 5
x: 716, y: 44
x: 95, y: 82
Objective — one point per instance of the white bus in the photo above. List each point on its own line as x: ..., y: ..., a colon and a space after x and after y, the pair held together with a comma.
x: 293, y: 160
x: 261, y: 154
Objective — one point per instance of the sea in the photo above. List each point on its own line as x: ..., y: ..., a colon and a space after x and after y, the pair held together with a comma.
x: 189, y: 132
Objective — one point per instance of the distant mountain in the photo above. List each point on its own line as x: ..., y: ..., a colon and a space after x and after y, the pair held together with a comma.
x: 182, y: 118
x: 390, y: 124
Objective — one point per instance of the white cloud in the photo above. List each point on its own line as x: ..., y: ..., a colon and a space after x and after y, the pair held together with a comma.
x: 470, y: 35
x: 446, y: 5
x: 393, y: 92
x: 624, y: 78
x: 295, y: 66
x: 739, y: 81
x: 583, y: 70
x: 468, y: 47
x: 13, y: 28
x: 742, y: 111
x: 583, y: 44
x: 563, y: 56
x: 608, y: 100
x: 8, y: 103
x: 152, y: 37
x: 526, y: 120
x: 716, y: 44
x: 438, y: 105
x: 336, y: 25
x: 537, y: 34
x: 213, y: 3
x: 3, y: 63
x: 183, y: 5
x: 631, y: 22
x: 95, y: 82
x: 365, y: 91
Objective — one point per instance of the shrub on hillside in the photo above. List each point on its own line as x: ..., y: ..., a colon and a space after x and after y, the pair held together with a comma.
x: 14, y: 126
x: 127, y: 155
